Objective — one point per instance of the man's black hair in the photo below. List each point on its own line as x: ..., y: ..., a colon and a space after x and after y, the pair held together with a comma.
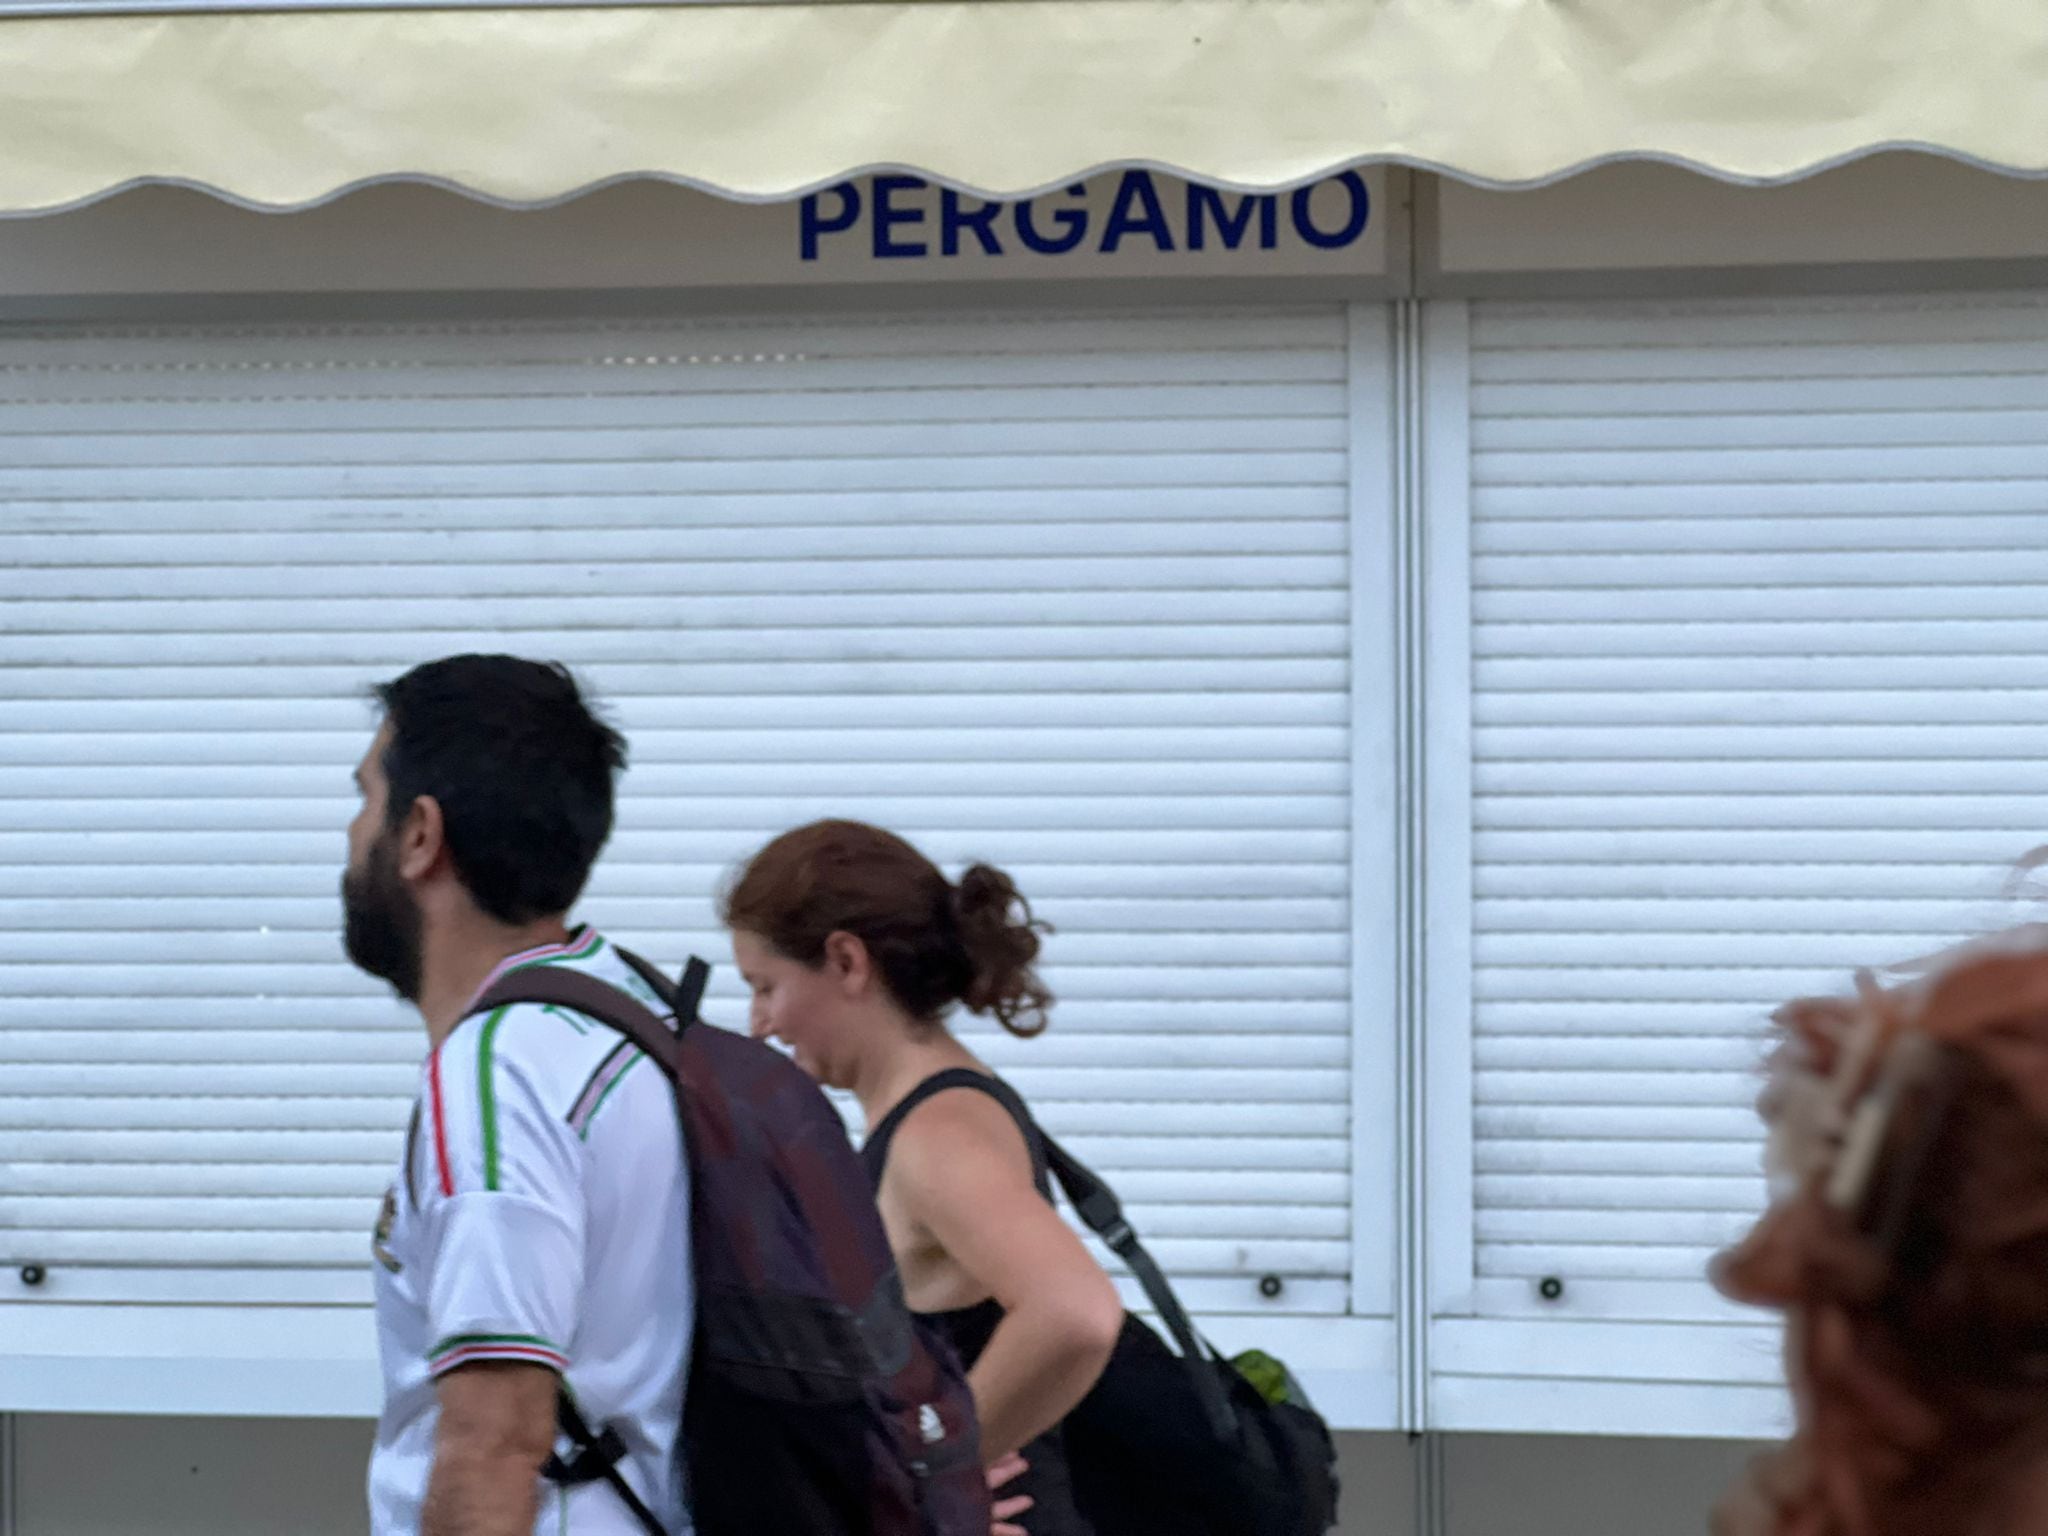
x: 522, y: 770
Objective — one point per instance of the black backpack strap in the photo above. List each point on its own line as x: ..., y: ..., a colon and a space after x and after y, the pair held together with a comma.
x: 596, y: 1459
x: 1098, y: 1207
x: 597, y: 1454
x: 875, y: 1150
x: 681, y: 997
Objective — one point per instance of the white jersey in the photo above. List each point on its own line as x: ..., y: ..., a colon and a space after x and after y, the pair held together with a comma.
x: 540, y: 1214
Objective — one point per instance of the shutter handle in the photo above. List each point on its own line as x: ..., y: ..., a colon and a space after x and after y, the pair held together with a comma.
x: 33, y: 1274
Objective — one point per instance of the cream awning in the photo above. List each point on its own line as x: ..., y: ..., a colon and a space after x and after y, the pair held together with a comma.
x: 281, y: 108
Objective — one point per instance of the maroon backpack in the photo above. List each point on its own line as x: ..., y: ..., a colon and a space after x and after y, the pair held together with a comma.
x: 817, y: 1404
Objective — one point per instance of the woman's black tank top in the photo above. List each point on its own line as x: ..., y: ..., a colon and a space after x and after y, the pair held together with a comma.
x: 968, y: 1329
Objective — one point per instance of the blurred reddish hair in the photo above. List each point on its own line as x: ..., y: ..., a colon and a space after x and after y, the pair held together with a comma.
x: 1908, y: 1250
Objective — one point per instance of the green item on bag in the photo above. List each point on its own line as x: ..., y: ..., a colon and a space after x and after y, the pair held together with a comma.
x: 1273, y: 1381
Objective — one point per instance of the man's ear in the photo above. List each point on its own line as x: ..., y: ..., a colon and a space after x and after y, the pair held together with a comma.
x: 848, y: 963
x: 422, y: 839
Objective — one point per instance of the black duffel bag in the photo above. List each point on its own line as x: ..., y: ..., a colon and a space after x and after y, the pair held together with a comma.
x: 1183, y: 1444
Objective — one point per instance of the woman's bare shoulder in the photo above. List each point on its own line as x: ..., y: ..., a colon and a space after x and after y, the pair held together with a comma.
x: 960, y: 1134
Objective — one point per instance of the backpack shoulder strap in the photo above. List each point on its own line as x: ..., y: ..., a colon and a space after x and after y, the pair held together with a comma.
x: 875, y: 1149
x: 593, y: 999
x: 1100, y: 1210
x: 684, y: 996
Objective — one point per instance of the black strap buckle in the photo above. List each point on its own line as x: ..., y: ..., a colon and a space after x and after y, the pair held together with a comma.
x: 591, y: 1462
x: 596, y: 1460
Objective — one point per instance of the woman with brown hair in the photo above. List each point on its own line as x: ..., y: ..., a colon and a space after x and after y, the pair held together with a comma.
x: 1908, y: 1249
x: 856, y: 948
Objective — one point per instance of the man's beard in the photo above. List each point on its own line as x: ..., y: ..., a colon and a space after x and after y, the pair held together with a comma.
x: 381, y: 921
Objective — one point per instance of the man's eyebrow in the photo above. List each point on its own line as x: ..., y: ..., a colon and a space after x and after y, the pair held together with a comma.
x: 356, y: 774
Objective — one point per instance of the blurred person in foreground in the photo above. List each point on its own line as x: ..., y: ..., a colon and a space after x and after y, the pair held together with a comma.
x: 1907, y: 1247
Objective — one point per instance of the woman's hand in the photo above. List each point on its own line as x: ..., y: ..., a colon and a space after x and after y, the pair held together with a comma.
x: 1006, y: 1511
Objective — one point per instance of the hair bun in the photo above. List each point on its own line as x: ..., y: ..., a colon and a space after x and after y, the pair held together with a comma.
x: 1001, y: 939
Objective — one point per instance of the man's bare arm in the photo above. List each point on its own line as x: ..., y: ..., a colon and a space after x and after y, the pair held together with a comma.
x: 496, y: 1432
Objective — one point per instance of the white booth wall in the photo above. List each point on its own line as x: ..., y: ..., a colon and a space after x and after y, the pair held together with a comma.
x: 1664, y: 512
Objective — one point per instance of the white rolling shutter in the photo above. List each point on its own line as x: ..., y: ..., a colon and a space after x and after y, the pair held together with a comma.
x: 1760, y: 596
x: 1065, y: 592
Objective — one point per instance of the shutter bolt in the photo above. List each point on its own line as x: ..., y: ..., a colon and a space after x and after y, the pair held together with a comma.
x: 1550, y: 1288
x: 33, y: 1274
x: 1271, y: 1286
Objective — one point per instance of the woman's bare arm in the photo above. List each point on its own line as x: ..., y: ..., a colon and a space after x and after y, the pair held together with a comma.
x: 960, y: 1170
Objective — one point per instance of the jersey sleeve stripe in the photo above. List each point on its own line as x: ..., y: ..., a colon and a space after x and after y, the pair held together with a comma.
x: 486, y: 1095
x: 593, y: 1091
x: 440, y: 1123
x: 612, y: 1074
x: 449, y: 1361
x: 494, y: 1346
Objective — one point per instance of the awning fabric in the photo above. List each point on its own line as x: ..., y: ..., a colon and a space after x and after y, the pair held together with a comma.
x: 763, y: 101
